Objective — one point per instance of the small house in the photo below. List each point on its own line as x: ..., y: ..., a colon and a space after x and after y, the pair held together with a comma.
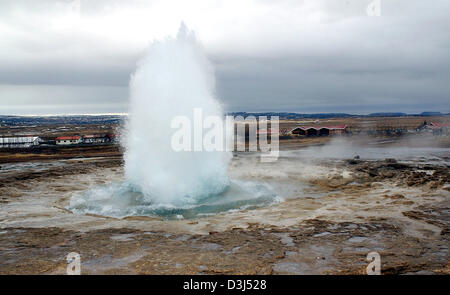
x: 439, y: 128
x: 319, y: 130
x: 67, y: 140
x: 95, y: 138
x: 19, y: 141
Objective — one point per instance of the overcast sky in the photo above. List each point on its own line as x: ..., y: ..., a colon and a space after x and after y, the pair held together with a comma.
x: 292, y: 55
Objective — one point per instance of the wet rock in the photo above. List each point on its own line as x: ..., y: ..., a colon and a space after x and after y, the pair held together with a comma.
x: 398, y: 165
x: 357, y: 239
x: 372, y: 172
x: 387, y: 174
x: 394, y: 197
x: 123, y: 237
x: 321, y: 234
x: 207, y: 246
x: 288, y: 267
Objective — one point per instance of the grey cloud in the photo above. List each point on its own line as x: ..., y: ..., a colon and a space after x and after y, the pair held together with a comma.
x: 348, y: 62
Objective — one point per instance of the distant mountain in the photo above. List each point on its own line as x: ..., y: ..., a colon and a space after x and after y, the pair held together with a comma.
x: 13, y: 120
x: 293, y: 116
x: 431, y: 114
x: 284, y: 115
x: 60, y: 120
x: 389, y: 114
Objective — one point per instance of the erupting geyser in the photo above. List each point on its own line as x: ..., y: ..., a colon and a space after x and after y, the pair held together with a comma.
x: 174, y: 78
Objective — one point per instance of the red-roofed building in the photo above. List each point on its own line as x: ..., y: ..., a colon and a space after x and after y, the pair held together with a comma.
x: 65, y: 140
x: 439, y: 128
x: 439, y: 125
x: 319, y: 130
x: 113, y: 138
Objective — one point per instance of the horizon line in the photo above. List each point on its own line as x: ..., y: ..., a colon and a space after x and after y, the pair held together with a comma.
x: 248, y: 112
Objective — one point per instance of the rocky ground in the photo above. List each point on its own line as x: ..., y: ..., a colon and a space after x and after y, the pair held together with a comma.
x: 335, y: 213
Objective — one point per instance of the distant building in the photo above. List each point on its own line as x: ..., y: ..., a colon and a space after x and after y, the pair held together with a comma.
x: 439, y: 128
x: 440, y: 125
x: 66, y: 140
x: 19, y: 141
x: 319, y: 130
x: 96, y: 138
x: 114, y: 138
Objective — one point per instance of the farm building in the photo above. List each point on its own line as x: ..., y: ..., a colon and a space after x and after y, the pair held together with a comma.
x: 113, y: 138
x: 319, y: 130
x: 439, y: 128
x: 96, y: 138
x: 19, y: 142
x: 66, y: 140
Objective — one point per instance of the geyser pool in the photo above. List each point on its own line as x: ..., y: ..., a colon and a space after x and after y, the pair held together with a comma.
x: 173, y: 79
x: 123, y: 199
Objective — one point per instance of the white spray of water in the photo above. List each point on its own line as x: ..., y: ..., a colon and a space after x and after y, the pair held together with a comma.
x: 174, y: 78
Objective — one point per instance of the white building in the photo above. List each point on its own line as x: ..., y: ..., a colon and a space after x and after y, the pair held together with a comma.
x: 95, y: 138
x: 66, y: 140
x: 19, y: 142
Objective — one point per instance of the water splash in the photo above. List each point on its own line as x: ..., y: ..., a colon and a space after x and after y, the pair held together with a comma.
x: 174, y: 78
